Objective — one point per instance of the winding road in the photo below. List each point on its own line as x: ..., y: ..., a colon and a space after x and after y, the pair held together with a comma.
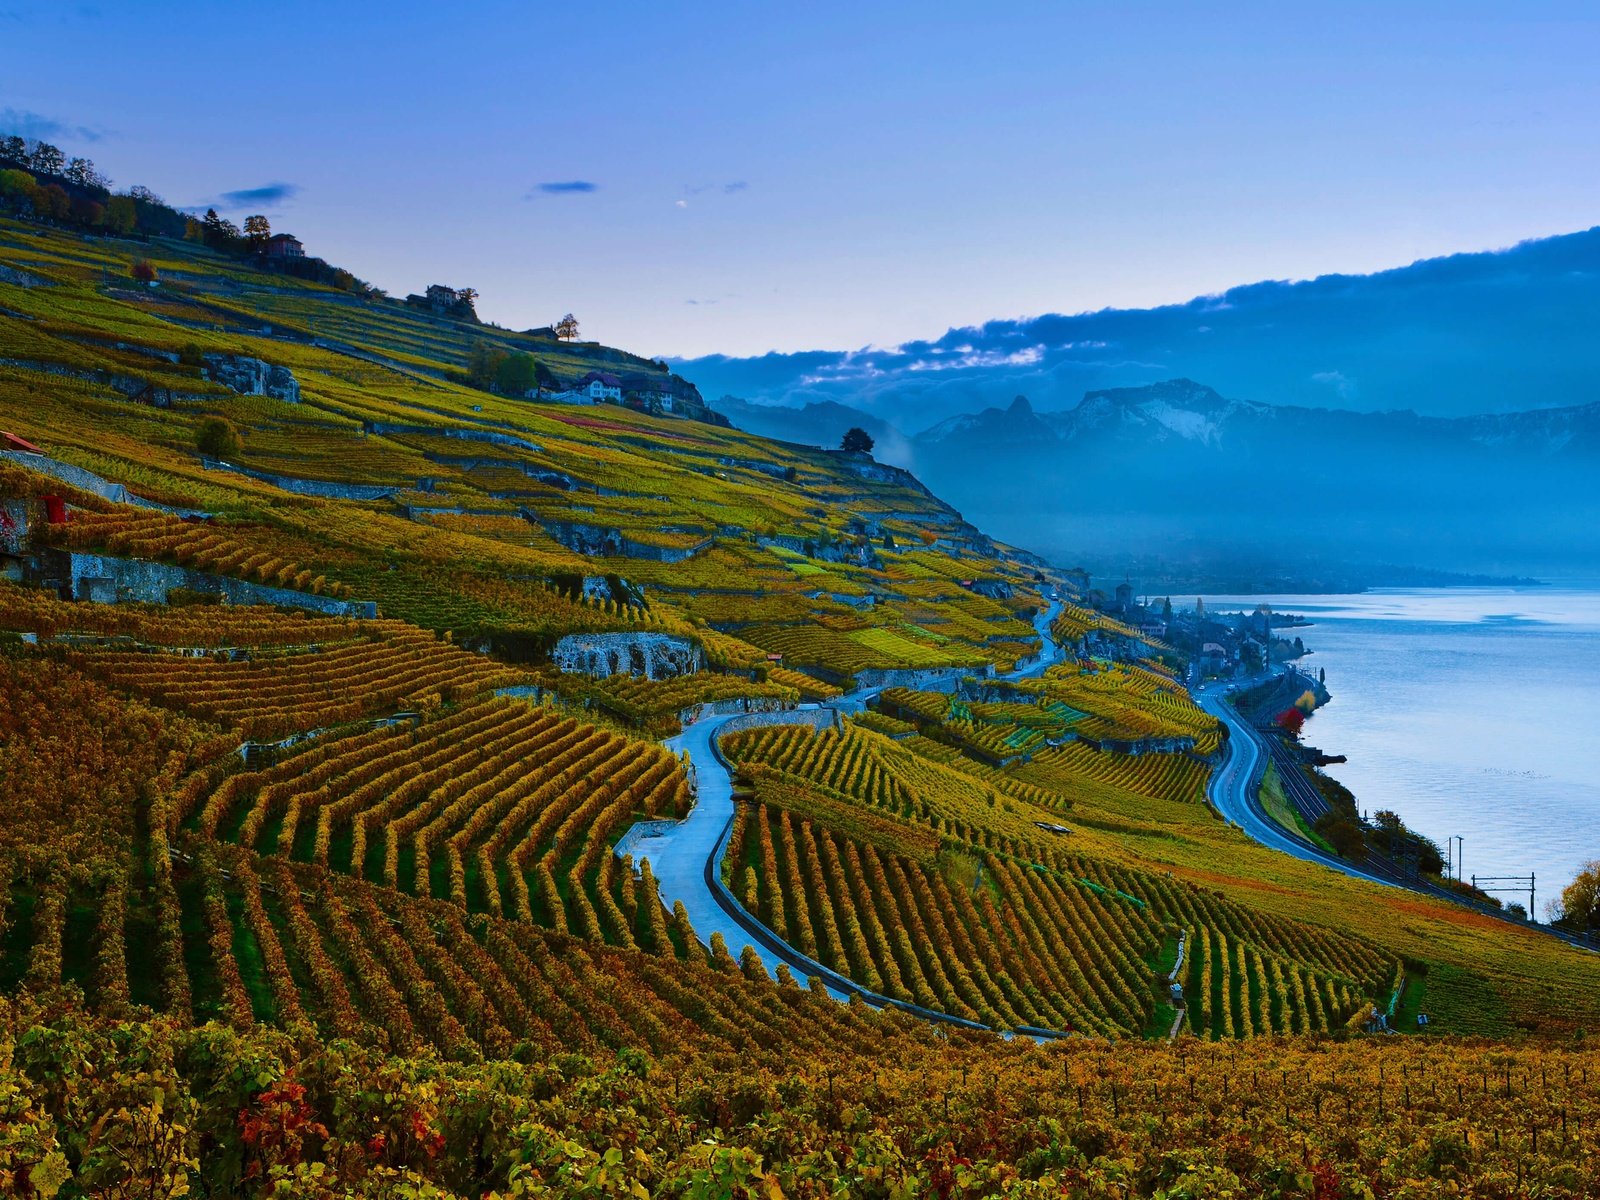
x: 1234, y: 786
x: 685, y: 856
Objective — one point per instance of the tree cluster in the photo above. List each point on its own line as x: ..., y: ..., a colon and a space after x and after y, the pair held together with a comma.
x: 39, y: 181
x: 498, y: 370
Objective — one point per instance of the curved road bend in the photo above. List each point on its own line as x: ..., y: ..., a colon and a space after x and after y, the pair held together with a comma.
x: 1230, y: 790
x: 1232, y: 786
x: 681, y: 853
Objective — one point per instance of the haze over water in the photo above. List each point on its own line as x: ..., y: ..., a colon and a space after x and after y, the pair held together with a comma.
x: 1471, y: 711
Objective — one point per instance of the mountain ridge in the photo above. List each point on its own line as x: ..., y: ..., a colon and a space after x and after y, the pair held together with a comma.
x: 1452, y: 335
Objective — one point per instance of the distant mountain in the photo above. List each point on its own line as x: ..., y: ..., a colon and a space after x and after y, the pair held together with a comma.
x: 1181, y: 410
x: 1495, y: 331
x: 1017, y: 425
x: 1179, y: 469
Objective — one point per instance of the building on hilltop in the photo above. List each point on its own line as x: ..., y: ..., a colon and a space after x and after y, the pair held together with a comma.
x: 445, y: 301
x: 285, y: 245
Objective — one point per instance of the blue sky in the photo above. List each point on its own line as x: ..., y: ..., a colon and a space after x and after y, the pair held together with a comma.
x: 698, y: 178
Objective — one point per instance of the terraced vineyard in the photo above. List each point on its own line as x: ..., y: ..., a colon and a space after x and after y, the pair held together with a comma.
x: 391, y: 667
x: 950, y: 913
x: 250, y: 855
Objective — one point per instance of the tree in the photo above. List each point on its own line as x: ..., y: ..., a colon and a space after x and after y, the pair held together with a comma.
x: 87, y: 212
x: 81, y: 171
x: 467, y: 296
x: 1291, y: 721
x: 516, y: 374
x: 219, y: 233
x: 483, y: 364
x: 217, y: 438
x: 54, y: 201
x: 46, y: 159
x: 257, y: 231
x: 122, y: 215
x: 14, y: 150
x: 1346, y: 837
x: 1166, y: 609
x: 856, y: 440
x: 567, y: 328
x: 17, y: 183
x: 143, y: 271
x: 1580, y: 900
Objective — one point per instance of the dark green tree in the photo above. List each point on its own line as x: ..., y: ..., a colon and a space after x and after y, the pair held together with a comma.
x: 217, y: 438
x: 857, y: 441
x: 516, y: 374
x: 122, y: 216
x: 483, y: 364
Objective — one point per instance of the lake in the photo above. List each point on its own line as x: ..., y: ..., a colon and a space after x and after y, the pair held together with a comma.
x: 1471, y: 711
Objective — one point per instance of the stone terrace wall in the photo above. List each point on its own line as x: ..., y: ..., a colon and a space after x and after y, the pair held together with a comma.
x: 109, y: 580
x: 652, y: 655
x: 924, y: 679
x: 817, y: 718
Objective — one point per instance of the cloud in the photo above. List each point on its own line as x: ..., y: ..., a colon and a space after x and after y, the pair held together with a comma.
x: 680, y: 204
x: 1338, y: 381
x: 727, y: 189
x: 23, y: 123
x: 566, y: 187
x: 270, y: 195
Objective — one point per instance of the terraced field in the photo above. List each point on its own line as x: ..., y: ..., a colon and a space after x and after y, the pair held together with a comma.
x: 393, y: 839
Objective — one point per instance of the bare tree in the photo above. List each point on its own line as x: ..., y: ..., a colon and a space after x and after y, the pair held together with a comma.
x: 567, y: 328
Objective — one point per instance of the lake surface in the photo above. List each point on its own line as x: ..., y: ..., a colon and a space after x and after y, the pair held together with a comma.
x: 1471, y: 711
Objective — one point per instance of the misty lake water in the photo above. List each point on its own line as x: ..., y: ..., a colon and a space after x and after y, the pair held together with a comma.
x: 1471, y: 711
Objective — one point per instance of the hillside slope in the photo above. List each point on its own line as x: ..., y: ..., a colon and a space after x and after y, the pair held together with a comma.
x: 328, y: 740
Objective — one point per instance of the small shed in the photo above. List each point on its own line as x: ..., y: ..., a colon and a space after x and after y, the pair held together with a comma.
x: 11, y: 441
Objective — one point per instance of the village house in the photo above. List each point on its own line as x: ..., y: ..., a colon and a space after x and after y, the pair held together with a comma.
x: 285, y: 245
x: 601, y: 387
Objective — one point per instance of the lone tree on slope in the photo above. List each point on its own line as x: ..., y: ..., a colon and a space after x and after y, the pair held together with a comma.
x: 217, y: 438
x: 567, y: 328
x: 856, y: 440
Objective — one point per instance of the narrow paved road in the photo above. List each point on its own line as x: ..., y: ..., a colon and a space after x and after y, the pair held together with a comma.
x: 1233, y: 790
x: 684, y: 856
x: 1233, y: 786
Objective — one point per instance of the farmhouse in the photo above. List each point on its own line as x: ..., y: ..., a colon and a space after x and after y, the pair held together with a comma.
x: 285, y: 245
x: 601, y: 387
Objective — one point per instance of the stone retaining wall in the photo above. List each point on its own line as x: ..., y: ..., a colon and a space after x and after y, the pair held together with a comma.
x: 817, y: 718
x: 923, y: 679
x: 739, y: 704
x: 107, y: 580
x: 652, y: 655
x: 324, y: 489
